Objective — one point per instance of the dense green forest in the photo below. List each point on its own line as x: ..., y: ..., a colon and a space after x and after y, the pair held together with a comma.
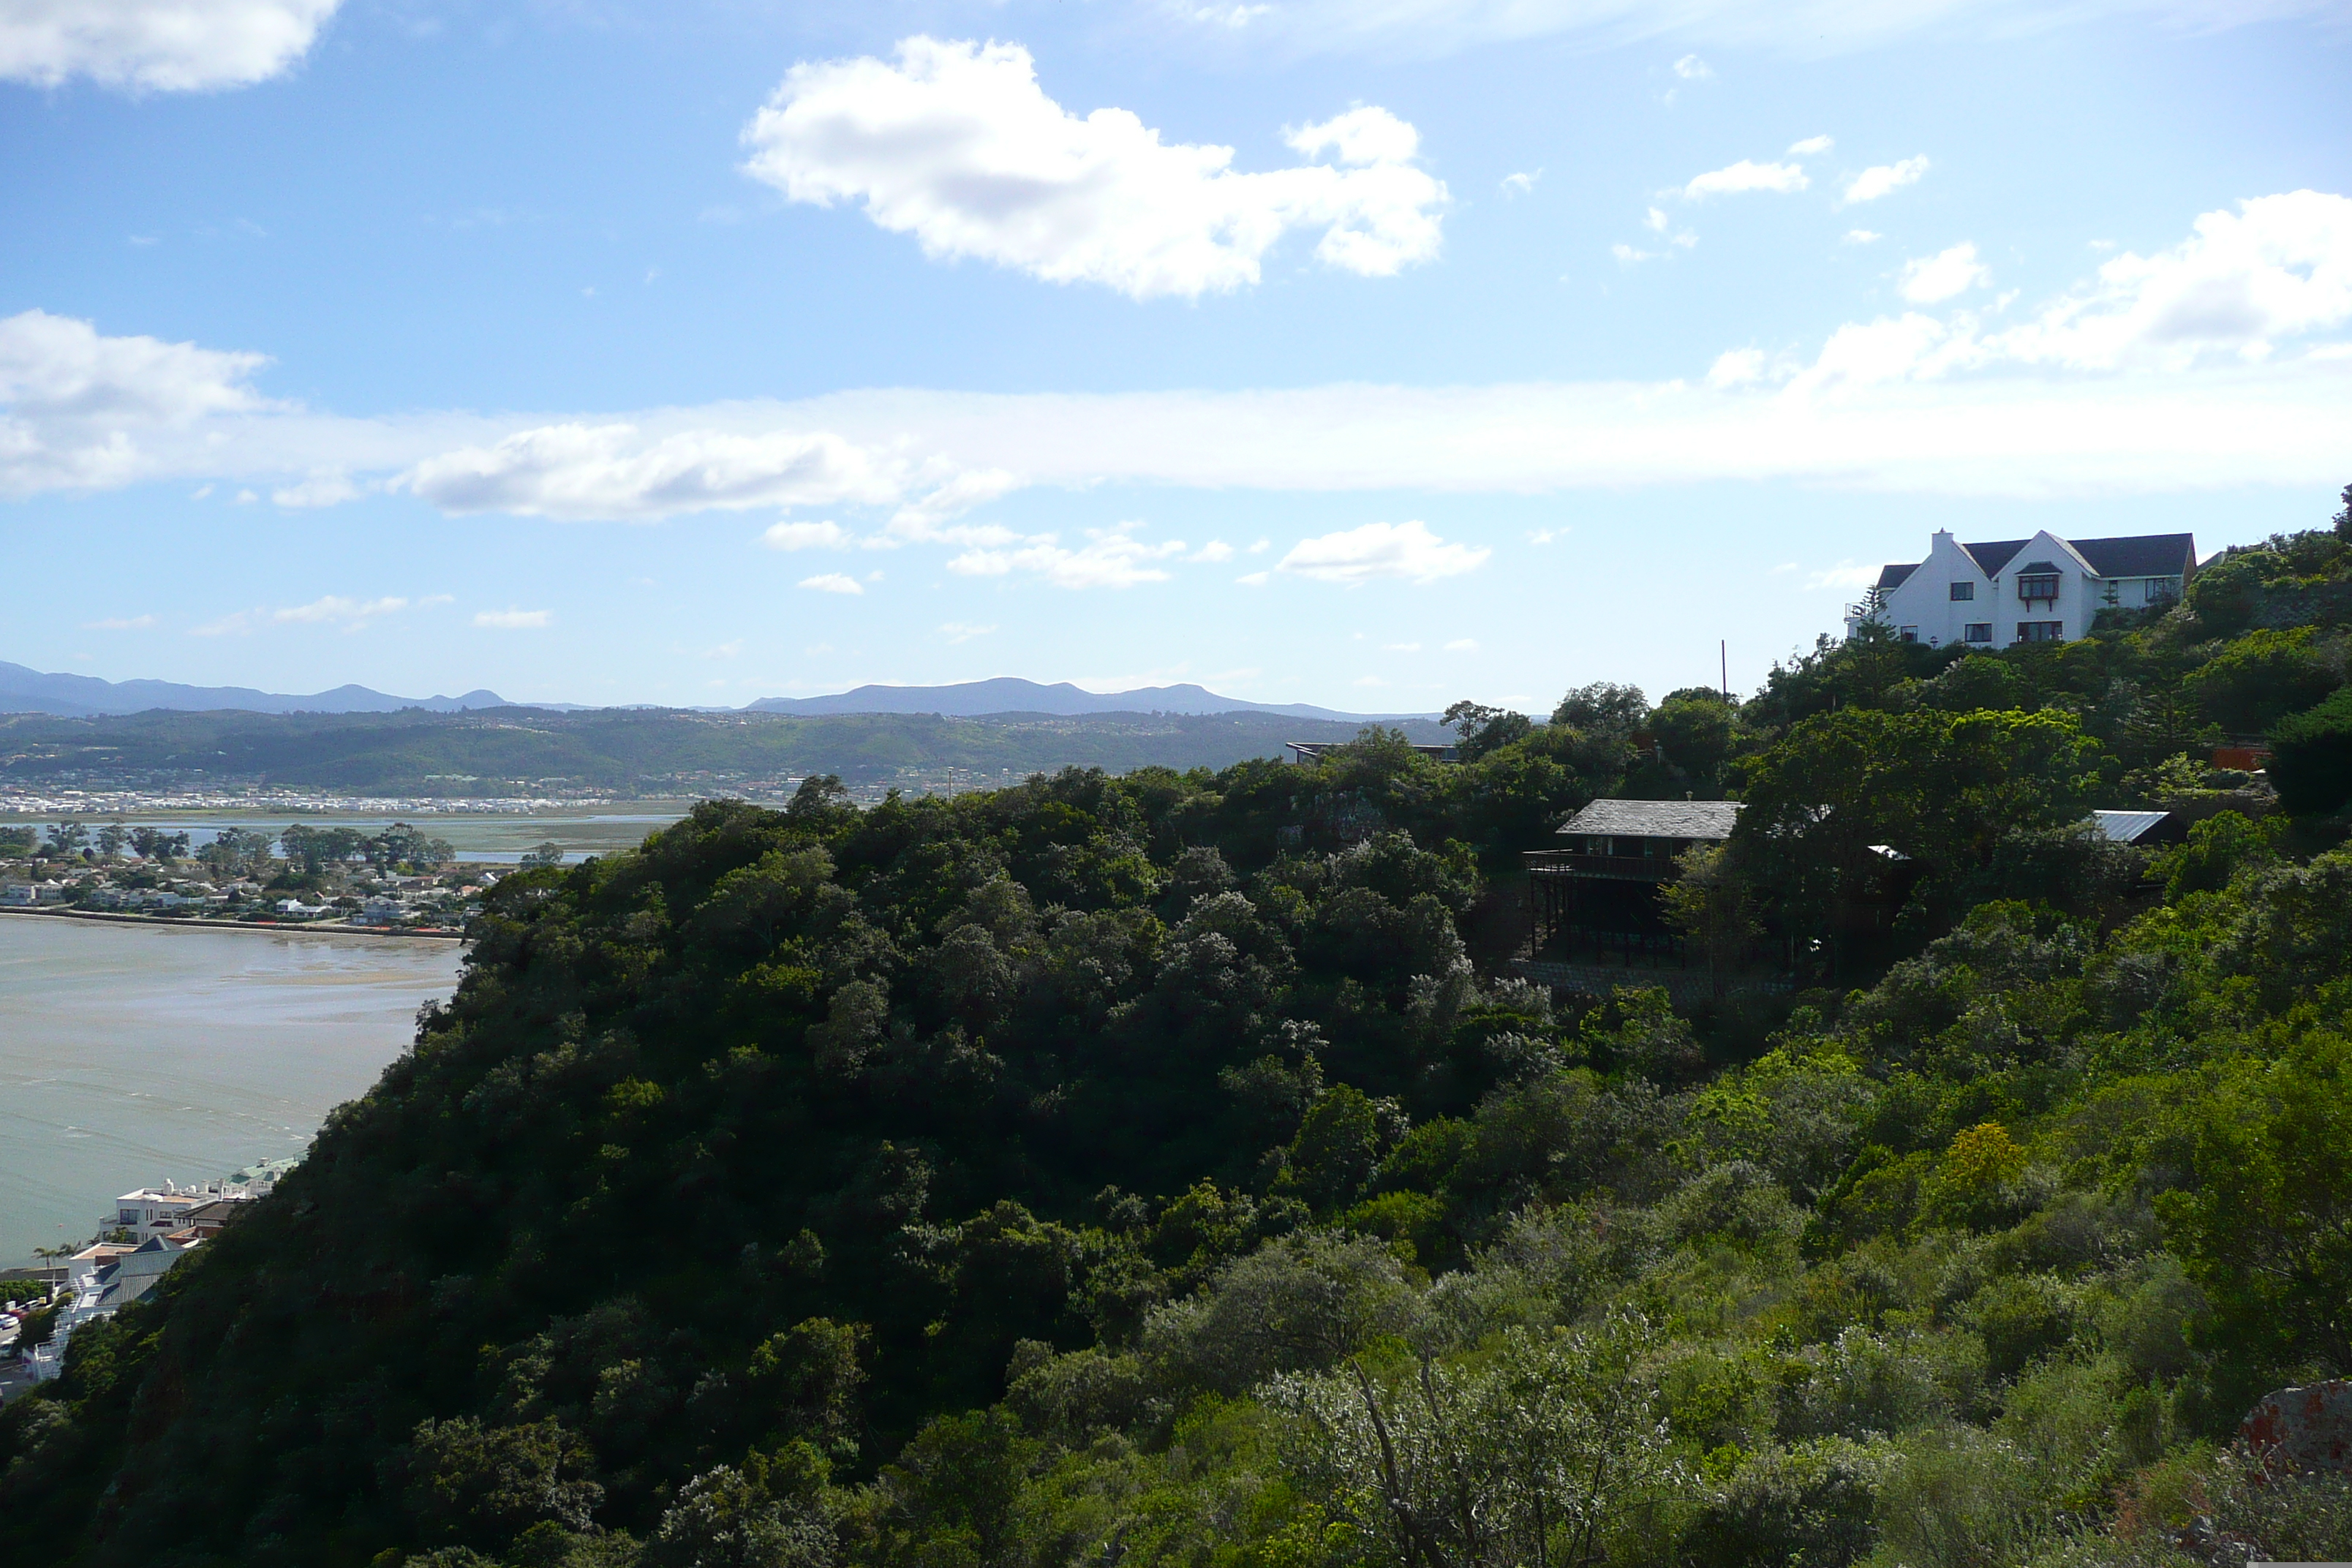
x: 626, y: 751
x: 1164, y: 1169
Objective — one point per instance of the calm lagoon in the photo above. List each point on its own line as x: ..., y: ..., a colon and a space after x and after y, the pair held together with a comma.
x: 130, y: 1053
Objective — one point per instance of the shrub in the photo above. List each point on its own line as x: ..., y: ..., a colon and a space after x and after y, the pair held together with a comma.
x: 2311, y: 758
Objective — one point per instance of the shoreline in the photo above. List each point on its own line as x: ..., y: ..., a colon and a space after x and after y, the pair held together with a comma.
x: 273, y: 928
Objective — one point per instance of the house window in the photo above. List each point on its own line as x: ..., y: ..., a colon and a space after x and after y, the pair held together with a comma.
x: 1962, y: 592
x: 2041, y: 631
x: 1909, y: 633
x: 2038, y: 585
x: 1977, y: 632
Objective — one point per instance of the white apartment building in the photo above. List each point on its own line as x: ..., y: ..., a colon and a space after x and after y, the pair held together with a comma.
x: 159, y: 1211
x: 2042, y: 589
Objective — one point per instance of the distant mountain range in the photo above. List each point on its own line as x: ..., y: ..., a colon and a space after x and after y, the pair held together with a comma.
x: 24, y: 691
x: 1007, y: 694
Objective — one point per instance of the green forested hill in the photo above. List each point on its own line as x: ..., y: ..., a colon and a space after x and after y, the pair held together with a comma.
x: 649, y: 751
x: 1142, y: 1170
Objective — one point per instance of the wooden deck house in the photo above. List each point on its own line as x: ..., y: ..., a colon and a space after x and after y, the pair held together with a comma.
x: 1599, y: 891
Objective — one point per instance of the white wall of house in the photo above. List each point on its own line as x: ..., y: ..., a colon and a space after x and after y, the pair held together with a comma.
x: 1948, y: 598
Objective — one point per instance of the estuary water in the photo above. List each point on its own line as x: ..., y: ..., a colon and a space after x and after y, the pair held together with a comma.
x: 130, y: 1053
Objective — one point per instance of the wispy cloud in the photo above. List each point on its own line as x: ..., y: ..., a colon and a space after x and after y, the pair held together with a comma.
x: 331, y: 609
x: 1111, y: 558
x: 2237, y: 336
x: 1423, y: 28
x: 963, y: 631
x: 832, y: 582
x: 127, y: 624
x: 514, y: 620
x: 1844, y: 575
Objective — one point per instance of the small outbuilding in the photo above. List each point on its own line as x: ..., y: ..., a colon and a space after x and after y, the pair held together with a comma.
x: 2149, y: 829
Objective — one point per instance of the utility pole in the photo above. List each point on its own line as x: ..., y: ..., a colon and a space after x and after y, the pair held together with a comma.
x: 1723, y: 649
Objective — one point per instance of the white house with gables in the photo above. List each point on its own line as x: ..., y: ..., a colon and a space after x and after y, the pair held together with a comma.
x: 2042, y: 589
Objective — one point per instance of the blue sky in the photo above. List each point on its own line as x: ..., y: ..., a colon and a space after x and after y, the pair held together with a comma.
x: 1367, y: 354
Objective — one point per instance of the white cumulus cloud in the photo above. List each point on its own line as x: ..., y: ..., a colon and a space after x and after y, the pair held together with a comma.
x: 955, y: 143
x: 1883, y: 179
x: 805, y: 536
x: 76, y: 408
x: 1737, y: 368
x: 1405, y: 551
x: 1747, y: 176
x: 834, y: 582
x: 1690, y: 67
x: 1812, y: 146
x: 579, y: 472
x: 2278, y: 267
x: 166, y: 45
x: 1930, y: 279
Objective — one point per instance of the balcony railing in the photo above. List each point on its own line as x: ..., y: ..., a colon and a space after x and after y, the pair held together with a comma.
x: 1577, y: 863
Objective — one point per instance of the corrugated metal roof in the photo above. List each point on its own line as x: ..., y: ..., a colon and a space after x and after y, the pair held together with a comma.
x: 2128, y: 826
x: 1657, y: 818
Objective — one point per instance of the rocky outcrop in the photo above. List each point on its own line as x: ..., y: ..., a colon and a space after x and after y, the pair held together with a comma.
x: 2309, y: 1428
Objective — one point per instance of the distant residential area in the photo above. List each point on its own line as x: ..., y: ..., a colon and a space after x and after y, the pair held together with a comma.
x: 398, y: 880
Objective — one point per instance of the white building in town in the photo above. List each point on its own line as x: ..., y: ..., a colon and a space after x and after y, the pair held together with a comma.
x: 2042, y: 589
x: 104, y: 1279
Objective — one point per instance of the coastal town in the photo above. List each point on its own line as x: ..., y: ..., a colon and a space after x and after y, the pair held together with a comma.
x: 146, y: 1234
x: 399, y: 880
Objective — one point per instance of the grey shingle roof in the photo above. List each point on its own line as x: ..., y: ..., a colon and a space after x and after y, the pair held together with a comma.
x: 2143, y: 555
x: 2138, y: 555
x: 1991, y: 558
x: 1656, y: 818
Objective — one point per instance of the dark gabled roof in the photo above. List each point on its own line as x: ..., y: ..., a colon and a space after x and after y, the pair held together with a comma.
x: 1991, y: 558
x: 2142, y: 555
x: 1657, y: 818
x: 2047, y: 568
x: 1891, y: 576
